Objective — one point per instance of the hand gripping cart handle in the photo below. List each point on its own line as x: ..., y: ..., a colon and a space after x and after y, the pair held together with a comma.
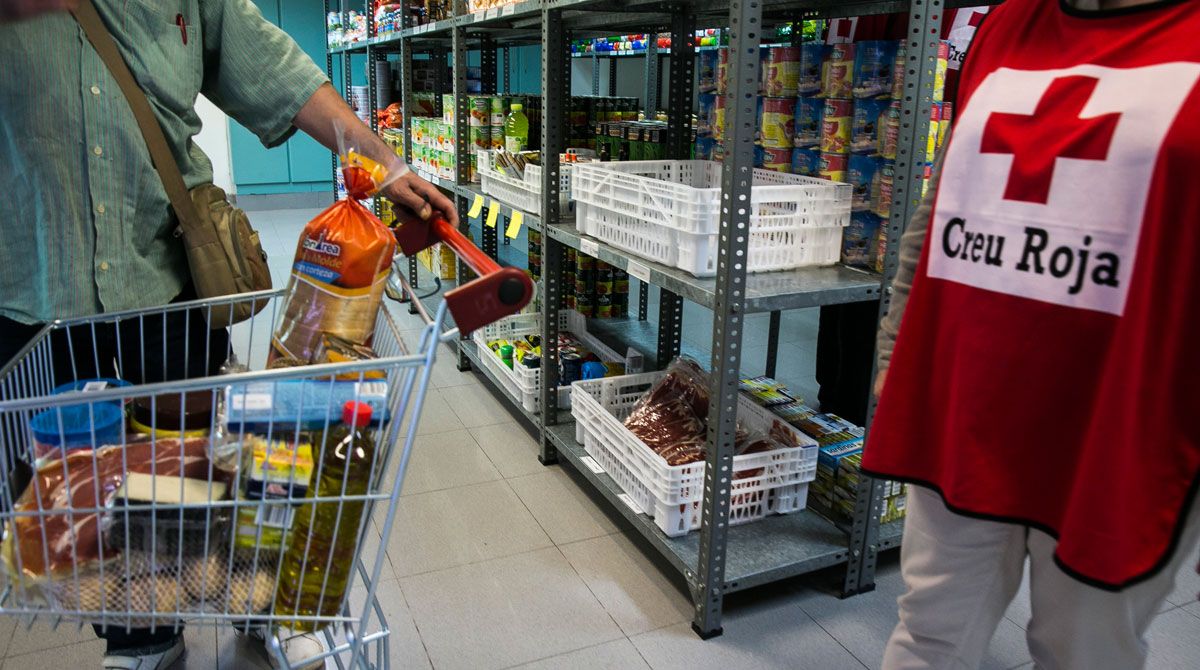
x: 495, y: 293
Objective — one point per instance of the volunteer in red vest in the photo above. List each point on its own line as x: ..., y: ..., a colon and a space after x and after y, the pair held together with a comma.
x: 1042, y: 394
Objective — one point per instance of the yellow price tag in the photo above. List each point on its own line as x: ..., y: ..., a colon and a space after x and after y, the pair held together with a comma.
x: 493, y: 212
x: 476, y: 206
x: 514, y: 225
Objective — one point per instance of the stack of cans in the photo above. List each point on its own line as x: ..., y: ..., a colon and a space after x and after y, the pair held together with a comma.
x: 535, y: 254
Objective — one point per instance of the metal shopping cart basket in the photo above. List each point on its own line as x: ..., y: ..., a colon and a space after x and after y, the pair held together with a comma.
x: 126, y: 523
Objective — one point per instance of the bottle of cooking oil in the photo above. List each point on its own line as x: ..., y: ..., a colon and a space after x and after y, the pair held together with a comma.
x: 347, y: 454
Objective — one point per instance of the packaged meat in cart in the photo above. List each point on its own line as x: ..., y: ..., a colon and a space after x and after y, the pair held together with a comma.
x: 341, y: 267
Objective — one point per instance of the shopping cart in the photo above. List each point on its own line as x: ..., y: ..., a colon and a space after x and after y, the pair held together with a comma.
x: 164, y: 528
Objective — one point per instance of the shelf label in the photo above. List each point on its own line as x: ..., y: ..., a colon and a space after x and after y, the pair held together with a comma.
x: 589, y: 247
x: 508, y: 10
x: 476, y: 206
x: 514, y: 222
x: 591, y: 464
x: 493, y: 212
x: 639, y: 271
x: 493, y: 12
x: 624, y: 497
x: 480, y: 15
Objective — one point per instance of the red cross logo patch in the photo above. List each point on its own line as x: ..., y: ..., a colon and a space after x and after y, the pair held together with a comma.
x: 1046, y: 178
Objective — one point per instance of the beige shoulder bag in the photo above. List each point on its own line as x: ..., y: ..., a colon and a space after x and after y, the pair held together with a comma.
x: 223, y: 251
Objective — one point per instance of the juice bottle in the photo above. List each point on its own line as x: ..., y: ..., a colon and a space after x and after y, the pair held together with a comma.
x: 516, y: 130
x: 347, y: 456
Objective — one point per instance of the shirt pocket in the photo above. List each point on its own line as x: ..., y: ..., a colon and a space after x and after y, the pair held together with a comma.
x: 165, y: 49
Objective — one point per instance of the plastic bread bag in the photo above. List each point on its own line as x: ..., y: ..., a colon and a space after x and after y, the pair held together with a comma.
x: 342, y: 263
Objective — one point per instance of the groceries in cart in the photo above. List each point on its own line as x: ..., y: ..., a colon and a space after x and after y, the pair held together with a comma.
x: 342, y: 263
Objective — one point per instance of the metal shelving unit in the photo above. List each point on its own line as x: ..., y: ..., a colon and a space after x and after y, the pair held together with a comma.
x: 718, y: 559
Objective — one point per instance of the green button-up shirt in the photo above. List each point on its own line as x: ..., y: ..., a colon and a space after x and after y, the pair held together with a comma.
x: 85, y: 225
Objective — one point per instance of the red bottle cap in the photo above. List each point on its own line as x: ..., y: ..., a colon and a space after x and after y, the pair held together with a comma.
x: 357, y: 414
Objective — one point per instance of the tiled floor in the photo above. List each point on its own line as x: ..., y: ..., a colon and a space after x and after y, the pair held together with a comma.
x: 495, y: 561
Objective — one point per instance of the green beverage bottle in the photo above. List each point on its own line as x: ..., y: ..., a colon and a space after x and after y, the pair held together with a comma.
x: 347, y: 455
x: 516, y: 130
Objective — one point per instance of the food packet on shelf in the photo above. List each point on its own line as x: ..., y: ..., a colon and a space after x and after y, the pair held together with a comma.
x: 670, y: 418
x: 341, y: 267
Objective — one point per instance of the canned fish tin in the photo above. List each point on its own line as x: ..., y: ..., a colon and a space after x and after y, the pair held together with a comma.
x: 718, y: 117
x: 889, y: 135
x: 869, y: 117
x: 620, y: 282
x: 708, y: 71
x: 873, y: 67
x: 861, y: 175
x: 778, y: 122
x: 722, y: 69
x: 944, y: 122
x: 898, y: 72
x: 882, y: 196
x: 706, y: 104
x: 836, y: 122
x: 777, y: 159
x: 939, y: 73
x: 781, y: 71
x: 935, y: 114
x: 833, y: 166
x: 837, y: 72
x: 604, y: 306
x: 808, y: 79
x: 807, y: 121
x: 806, y: 161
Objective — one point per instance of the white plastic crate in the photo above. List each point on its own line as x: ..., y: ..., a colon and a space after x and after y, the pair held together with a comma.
x: 697, y: 254
x: 669, y: 212
x: 525, y: 384
x: 523, y: 194
x: 672, y: 495
x: 686, y: 195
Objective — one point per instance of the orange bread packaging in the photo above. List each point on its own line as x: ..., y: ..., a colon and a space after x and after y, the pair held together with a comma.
x: 341, y: 267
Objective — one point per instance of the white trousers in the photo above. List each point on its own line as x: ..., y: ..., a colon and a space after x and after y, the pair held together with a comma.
x: 962, y: 573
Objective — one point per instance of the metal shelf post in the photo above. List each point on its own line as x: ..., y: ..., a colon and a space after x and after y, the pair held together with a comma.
x: 924, y: 26
x: 556, y: 91
x: 406, y: 105
x: 650, y: 93
x: 679, y: 132
x: 462, y: 113
x: 737, y: 175
x: 372, y: 96
x: 329, y: 74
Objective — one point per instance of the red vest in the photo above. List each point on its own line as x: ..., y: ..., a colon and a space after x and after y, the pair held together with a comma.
x: 1047, y: 370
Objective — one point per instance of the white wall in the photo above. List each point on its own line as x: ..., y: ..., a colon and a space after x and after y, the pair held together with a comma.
x: 214, y: 141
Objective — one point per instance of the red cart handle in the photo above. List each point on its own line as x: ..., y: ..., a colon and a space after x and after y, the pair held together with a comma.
x: 496, y: 293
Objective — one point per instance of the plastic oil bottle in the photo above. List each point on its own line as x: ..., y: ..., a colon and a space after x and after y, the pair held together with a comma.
x: 347, y: 455
x: 516, y: 130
